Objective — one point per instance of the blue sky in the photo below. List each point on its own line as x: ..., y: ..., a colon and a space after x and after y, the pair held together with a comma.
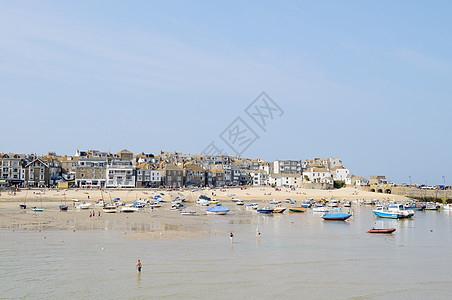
x: 368, y: 81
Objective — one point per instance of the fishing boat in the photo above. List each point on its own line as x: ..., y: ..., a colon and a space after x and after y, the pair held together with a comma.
x: 187, y: 212
x: 381, y: 230
x: 265, y: 210
x: 217, y: 210
x: 240, y: 202
x: 347, y: 204
x: 336, y: 216
x: 38, y: 209
x: 393, y: 211
x: 279, y: 210
x: 235, y: 200
x: 297, y: 209
x: 275, y: 201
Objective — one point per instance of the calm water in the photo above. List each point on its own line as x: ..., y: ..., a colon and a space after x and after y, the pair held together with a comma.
x: 298, y: 255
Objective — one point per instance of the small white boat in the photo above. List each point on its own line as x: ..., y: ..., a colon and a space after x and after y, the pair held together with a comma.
x: 38, y: 209
x: 252, y: 206
x: 187, y: 212
x: 320, y: 209
x: 203, y: 202
x: 240, y: 202
x: 235, y: 200
x: 129, y: 209
x: 447, y: 207
x: 110, y: 208
x: 83, y: 206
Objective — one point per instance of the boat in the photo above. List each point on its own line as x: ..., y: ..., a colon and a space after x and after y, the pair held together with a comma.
x: 393, y: 211
x: 432, y: 207
x: 235, y: 200
x: 297, y: 209
x: 274, y: 201
x: 279, y: 210
x: 414, y: 206
x: 155, y: 204
x: 24, y: 206
x: 252, y: 206
x: 99, y: 203
x: 336, y: 216
x: 38, y: 209
x: 63, y: 207
x: 176, y: 206
x: 333, y: 203
x: 240, y: 202
x: 265, y: 210
x: 129, y: 209
x: 306, y: 204
x: 203, y: 202
x: 320, y: 209
x: 217, y: 210
x: 447, y: 207
x: 83, y: 205
x: 347, y: 204
x: 381, y: 230
x: 110, y: 208
x: 139, y: 204
x: 187, y: 212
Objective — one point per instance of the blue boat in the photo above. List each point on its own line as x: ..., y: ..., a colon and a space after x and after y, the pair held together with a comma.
x: 265, y: 210
x: 396, y: 211
x: 306, y: 204
x: 336, y: 217
x: 217, y: 210
x: 63, y: 207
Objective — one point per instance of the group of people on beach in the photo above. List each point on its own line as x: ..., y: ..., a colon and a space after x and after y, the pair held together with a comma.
x: 93, y: 214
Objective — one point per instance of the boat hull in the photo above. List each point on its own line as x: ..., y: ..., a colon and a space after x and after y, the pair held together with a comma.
x: 390, y: 215
x: 297, y: 209
x: 336, y: 217
x: 376, y: 230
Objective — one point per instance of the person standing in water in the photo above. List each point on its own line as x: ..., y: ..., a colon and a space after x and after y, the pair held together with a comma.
x: 139, y: 266
x: 231, y: 237
x: 258, y: 233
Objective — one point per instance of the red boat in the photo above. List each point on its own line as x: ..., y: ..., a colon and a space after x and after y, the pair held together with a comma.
x: 382, y: 230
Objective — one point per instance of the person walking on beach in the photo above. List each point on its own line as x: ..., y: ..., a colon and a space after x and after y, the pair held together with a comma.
x: 258, y: 233
x: 231, y: 237
x: 139, y: 266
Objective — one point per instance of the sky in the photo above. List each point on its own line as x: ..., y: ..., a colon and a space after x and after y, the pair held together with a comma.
x: 366, y: 81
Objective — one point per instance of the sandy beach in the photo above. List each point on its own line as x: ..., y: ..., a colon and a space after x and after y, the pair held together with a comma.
x: 158, y: 224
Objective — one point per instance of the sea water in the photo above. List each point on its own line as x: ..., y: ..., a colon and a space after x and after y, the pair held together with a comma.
x: 296, y: 256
